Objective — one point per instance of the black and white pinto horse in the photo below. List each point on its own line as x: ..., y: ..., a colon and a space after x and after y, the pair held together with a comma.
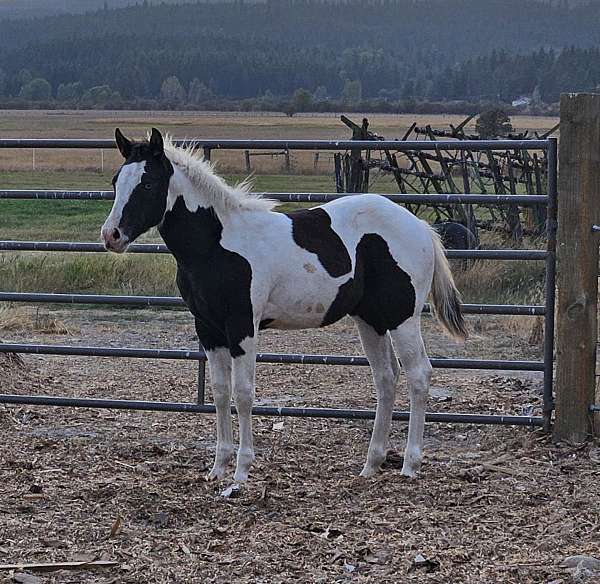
x: 242, y: 267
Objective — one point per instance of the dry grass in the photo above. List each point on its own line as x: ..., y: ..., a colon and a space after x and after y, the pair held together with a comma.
x: 90, y: 124
x: 22, y: 319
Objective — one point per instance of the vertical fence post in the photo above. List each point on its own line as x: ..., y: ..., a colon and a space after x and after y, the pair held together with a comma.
x: 577, y: 267
x: 201, y: 386
x: 550, y: 284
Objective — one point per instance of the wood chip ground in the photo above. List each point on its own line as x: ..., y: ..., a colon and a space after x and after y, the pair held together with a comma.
x: 492, y: 504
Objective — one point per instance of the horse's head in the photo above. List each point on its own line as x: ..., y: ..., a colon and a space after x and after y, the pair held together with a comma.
x: 141, y: 187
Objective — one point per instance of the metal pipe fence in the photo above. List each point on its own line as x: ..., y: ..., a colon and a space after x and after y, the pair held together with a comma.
x: 546, y: 310
x: 274, y: 358
x: 177, y: 302
x: 398, y: 145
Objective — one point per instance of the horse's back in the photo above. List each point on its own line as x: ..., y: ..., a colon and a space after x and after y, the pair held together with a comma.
x: 407, y: 237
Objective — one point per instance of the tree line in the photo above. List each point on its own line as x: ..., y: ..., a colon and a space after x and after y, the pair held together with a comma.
x: 302, y: 54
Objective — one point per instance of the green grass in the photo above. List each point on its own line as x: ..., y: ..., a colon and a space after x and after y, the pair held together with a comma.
x: 503, y: 282
x: 81, y: 220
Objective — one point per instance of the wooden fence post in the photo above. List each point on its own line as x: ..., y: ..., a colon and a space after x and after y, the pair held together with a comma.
x: 577, y: 264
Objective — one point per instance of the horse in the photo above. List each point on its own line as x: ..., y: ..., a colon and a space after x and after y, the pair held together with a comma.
x: 242, y: 267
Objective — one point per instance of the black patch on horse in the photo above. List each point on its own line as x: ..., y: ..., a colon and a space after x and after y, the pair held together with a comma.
x: 381, y: 293
x: 311, y: 230
x: 214, y: 282
x: 147, y: 203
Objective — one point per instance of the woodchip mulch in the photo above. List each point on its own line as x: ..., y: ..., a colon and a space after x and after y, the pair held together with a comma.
x: 492, y: 504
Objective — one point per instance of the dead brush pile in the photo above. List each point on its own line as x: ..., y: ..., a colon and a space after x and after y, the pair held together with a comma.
x: 22, y: 319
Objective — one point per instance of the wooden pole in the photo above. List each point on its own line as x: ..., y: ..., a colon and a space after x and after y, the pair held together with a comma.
x: 577, y: 264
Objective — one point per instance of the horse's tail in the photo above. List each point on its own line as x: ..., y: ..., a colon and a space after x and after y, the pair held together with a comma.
x: 444, y: 294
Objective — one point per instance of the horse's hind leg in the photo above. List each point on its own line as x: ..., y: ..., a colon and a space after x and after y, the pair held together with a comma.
x: 411, y: 352
x: 379, y: 352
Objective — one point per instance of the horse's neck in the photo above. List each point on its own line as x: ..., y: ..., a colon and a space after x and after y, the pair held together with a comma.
x: 191, y: 227
x: 194, y: 195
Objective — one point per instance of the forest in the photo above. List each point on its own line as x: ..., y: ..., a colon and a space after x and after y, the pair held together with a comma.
x: 302, y: 54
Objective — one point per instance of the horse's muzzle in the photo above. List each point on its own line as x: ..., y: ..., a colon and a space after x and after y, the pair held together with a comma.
x: 114, y: 239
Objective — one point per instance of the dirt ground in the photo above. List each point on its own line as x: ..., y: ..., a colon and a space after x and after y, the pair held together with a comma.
x: 492, y: 504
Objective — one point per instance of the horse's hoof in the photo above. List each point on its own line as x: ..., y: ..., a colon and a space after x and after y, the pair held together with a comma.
x: 409, y: 472
x: 232, y: 491
x: 216, y: 474
x: 368, y: 472
x: 240, y: 476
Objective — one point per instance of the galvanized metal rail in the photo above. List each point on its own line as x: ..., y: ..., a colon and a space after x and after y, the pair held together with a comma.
x: 396, y: 145
x: 190, y: 408
x: 279, y: 358
x: 283, y: 197
x: 177, y: 302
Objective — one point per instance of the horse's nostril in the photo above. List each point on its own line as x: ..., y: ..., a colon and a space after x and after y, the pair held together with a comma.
x: 116, y: 234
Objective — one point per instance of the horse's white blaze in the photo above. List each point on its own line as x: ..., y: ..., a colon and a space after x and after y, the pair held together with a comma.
x: 129, y: 177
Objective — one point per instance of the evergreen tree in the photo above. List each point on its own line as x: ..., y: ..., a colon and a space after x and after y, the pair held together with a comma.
x: 172, y: 92
x: 301, y: 100
x: 37, y: 89
x: 352, y: 92
x: 199, y: 93
x: 493, y: 123
x: 69, y: 92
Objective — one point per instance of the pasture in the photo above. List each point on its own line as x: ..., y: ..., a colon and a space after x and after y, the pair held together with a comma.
x: 492, y: 504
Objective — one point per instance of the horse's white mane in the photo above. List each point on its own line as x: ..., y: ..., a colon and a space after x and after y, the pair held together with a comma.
x: 212, y: 188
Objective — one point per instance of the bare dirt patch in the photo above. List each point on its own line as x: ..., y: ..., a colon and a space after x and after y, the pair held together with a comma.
x: 492, y: 504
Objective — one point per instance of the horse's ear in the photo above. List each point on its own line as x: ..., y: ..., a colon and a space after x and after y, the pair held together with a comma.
x: 123, y: 144
x: 156, y: 143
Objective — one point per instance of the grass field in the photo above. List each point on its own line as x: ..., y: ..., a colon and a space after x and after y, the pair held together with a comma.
x: 81, y: 220
x: 101, y: 124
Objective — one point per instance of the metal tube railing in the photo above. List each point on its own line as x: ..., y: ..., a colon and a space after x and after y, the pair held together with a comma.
x: 176, y: 301
x: 121, y: 404
x: 284, y: 197
x: 89, y: 247
x: 550, y: 284
x: 279, y: 358
x: 396, y: 145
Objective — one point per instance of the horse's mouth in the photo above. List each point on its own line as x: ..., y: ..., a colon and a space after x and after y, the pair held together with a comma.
x: 116, y: 247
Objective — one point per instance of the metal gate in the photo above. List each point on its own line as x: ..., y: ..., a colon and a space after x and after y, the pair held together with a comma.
x: 547, y: 309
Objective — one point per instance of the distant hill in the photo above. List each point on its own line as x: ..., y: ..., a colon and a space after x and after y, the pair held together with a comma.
x: 347, y: 49
x: 37, y: 8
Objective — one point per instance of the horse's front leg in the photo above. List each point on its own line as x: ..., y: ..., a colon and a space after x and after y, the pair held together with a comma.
x: 219, y: 363
x: 243, y: 378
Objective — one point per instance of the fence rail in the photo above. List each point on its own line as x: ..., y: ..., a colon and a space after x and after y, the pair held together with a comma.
x: 399, y: 145
x: 88, y: 247
x: 190, y: 408
x: 176, y: 302
x: 447, y: 198
x: 276, y: 358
